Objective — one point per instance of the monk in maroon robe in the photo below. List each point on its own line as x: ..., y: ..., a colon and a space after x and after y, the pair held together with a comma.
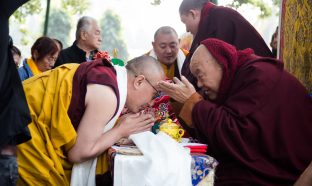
x: 256, y: 117
x: 206, y: 20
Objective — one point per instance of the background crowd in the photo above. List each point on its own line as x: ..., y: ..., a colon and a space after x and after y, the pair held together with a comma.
x: 227, y: 89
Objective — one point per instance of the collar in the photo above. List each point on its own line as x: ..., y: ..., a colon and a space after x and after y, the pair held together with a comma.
x: 82, y: 52
x: 33, y: 66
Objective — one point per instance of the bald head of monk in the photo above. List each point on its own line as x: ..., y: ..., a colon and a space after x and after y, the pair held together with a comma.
x: 143, y: 74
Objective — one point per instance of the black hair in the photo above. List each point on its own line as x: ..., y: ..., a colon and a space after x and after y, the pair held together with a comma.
x: 15, y: 50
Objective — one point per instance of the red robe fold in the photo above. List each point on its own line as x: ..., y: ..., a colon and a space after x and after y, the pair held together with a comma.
x: 99, y: 71
x: 261, y: 133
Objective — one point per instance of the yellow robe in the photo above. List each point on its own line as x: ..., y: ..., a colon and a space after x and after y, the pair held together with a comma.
x: 33, y: 67
x: 43, y: 159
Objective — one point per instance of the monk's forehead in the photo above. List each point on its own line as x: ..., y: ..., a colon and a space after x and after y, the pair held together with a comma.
x: 194, y: 65
x: 200, y: 54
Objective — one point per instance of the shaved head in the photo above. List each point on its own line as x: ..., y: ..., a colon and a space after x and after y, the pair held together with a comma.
x: 165, y: 30
x: 207, y: 71
x: 144, y: 73
x: 188, y: 5
x: 145, y: 65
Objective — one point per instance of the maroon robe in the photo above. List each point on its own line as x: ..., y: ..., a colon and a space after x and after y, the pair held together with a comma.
x: 228, y: 25
x: 260, y: 130
x: 99, y: 71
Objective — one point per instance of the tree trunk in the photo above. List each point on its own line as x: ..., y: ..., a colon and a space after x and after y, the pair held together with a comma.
x: 46, y: 22
x: 296, y: 39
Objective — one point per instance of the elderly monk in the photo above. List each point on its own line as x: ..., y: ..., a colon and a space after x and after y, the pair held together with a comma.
x: 73, y: 104
x: 255, y: 116
x: 206, y: 20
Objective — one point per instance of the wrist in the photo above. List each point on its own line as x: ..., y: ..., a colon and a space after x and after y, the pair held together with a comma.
x: 118, y: 132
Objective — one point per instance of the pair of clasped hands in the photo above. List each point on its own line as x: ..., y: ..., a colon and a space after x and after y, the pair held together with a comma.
x: 132, y: 123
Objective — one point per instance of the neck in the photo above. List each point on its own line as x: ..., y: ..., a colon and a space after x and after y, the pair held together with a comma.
x: 84, y: 47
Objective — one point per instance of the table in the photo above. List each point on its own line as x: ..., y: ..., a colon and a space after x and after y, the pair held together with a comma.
x: 202, y: 167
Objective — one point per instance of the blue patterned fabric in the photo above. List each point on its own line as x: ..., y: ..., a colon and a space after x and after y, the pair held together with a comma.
x: 201, y: 165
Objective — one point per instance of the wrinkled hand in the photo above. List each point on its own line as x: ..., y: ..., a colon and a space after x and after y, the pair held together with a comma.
x: 134, y: 123
x: 179, y: 90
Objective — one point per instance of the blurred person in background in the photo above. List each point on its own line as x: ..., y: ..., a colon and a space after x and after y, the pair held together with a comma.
x: 44, y: 53
x: 274, y: 41
x: 88, y: 41
x: 167, y: 52
x: 186, y: 41
x: 17, y: 55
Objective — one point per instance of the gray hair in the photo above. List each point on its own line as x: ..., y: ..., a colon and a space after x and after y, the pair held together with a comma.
x: 84, y: 24
x: 144, y: 65
x: 188, y: 5
x: 165, y: 30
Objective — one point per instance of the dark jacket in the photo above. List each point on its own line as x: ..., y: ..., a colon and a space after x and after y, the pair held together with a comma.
x: 14, y: 112
x: 72, y: 54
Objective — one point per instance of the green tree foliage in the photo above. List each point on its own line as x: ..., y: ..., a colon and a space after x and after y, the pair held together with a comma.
x: 30, y: 8
x: 112, y: 35
x: 60, y: 26
x: 265, y: 10
x: 74, y: 7
x: 156, y: 2
x: 33, y: 7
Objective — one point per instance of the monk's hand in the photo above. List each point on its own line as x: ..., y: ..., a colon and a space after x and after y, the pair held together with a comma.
x: 135, y: 123
x: 179, y: 90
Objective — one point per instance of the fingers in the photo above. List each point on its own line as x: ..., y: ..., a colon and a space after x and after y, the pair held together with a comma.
x: 145, y: 128
x: 186, y: 82
x: 177, y: 81
x: 165, y: 85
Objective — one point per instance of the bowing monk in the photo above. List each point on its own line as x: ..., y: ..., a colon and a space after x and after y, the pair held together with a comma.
x: 73, y: 110
x: 255, y: 116
x: 206, y: 20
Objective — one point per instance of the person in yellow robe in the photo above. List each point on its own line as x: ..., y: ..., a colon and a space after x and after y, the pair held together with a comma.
x: 166, y: 50
x: 43, y: 56
x: 72, y: 105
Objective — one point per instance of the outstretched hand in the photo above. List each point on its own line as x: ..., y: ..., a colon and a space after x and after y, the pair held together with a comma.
x: 135, y: 123
x: 179, y: 90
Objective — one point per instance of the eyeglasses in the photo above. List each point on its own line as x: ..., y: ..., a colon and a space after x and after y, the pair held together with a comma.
x: 158, y: 93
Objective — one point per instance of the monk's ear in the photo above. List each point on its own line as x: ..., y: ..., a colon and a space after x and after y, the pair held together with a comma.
x: 153, y: 43
x: 193, y: 13
x: 138, y: 81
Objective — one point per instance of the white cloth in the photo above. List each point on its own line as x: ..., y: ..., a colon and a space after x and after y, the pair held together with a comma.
x: 165, y: 162
x: 83, y: 174
x: 180, y: 58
